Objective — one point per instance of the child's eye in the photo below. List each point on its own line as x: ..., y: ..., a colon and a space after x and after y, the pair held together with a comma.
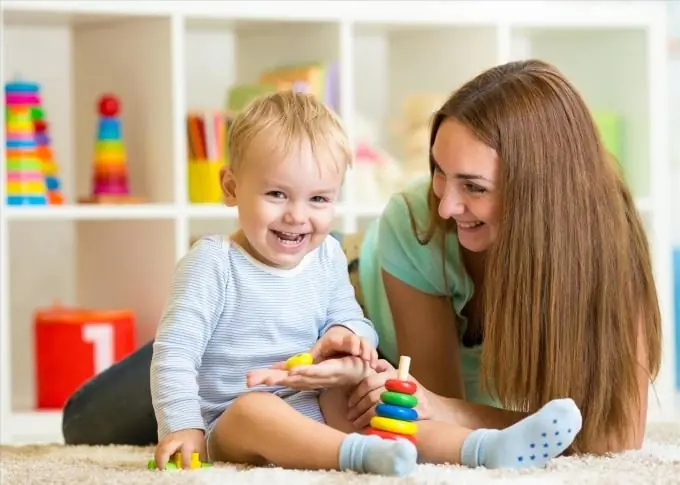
x: 276, y: 194
x: 319, y: 199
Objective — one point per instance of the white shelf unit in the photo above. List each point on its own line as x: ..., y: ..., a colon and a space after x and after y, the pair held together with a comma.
x: 163, y: 58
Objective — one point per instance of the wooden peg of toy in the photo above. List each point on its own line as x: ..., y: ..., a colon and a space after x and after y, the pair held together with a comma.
x: 404, y: 365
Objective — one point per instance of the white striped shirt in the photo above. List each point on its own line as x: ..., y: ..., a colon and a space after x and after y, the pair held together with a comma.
x: 227, y: 314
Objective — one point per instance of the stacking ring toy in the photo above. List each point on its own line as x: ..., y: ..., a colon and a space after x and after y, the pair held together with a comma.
x: 299, y: 359
x: 394, y: 426
x: 403, y: 387
x: 396, y: 412
x: 386, y: 435
x: 397, y: 399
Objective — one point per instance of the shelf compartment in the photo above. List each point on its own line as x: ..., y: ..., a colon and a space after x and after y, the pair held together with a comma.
x: 394, y: 101
x: 616, y: 92
x: 221, y: 54
x: 121, y: 264
x: 78, y: 57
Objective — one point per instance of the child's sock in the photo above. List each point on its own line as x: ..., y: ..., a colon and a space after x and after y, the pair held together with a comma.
x: 372, y: 454
x: 530, y: 442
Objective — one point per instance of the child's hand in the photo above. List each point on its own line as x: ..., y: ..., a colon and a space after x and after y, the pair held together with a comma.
x: 186, y: 441
x: 266, y: 377
x: 339, y: 341
x: 336, y: 372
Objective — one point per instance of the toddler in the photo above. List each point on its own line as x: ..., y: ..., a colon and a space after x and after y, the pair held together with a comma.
x: 276, y: 287
x: 242, y: 304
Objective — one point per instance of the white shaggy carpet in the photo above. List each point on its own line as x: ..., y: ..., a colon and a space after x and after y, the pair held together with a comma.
x: 657, y: 463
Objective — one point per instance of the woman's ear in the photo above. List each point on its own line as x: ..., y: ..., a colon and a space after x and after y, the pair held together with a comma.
x: 228, y: 184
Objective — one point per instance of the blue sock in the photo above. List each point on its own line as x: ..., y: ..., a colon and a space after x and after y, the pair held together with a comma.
x: 531, y: 442
x: 372, y: 454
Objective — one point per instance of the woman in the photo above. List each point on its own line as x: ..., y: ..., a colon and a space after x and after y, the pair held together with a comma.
x: 518, y: 273
x: 528, y: 238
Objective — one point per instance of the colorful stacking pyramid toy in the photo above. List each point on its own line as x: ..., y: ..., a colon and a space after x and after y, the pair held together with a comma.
x: 49, y: 166
x: 25, y: 179
x: 110, y: 177
x: 396, y: 415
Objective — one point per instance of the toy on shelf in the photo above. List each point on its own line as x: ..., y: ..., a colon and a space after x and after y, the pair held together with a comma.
x: 49, y: 165
x: 73, y: 344
x: 110, y: 184
x: 396, y: 414
x: 412, y: 132
x: 25, y: 182
x: 206, y: 154
x: 176, y: 463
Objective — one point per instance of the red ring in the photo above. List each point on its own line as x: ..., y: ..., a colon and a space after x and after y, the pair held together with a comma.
x: 403, y: 387
x: 386, y: 435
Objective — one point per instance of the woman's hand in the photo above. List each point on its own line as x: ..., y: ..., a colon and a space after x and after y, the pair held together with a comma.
x: 366, y: 396
x: 334, y: 372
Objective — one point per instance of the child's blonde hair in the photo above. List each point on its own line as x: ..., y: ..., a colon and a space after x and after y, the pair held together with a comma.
x: 293, y: 117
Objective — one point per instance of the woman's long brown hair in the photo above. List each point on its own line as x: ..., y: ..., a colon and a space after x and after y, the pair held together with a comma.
x: 568, y: 280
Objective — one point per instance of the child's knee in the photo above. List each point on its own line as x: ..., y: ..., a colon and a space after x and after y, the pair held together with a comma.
x: 252, y: 402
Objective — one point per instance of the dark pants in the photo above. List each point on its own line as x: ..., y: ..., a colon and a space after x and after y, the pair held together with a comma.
x: 114, y: 407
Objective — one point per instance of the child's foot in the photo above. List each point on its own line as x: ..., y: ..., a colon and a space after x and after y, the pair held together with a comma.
x: 528, y: 443
x: 372, y: 454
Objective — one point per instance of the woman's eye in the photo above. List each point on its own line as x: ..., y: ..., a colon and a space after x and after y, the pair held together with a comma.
x: 277, y: 194
x: 475, y: 189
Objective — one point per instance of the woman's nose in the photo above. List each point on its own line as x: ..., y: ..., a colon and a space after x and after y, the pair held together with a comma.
x: 450, y: 205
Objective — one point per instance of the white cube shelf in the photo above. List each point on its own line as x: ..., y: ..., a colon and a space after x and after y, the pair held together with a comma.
x: 165, y: 58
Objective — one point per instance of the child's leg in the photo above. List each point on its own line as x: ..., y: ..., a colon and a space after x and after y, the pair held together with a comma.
x: 531, y: 442
x: 333, y: 403
x: 262, y: 428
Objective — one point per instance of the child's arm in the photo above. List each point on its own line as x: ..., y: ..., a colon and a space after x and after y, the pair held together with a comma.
x: 191, y: 313
x: 343, y: 308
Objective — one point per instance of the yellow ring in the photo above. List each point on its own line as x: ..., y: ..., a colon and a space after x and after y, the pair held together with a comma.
x: 299, y: 359
x: 394, y: 425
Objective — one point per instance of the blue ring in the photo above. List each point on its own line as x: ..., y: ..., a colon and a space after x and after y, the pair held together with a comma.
x: 21, y: 87
x: 396, y: 412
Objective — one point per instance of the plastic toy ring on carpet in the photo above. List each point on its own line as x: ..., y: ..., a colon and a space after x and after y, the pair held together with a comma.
x: 403, y: 400
x: 386, y: 435
x: 403, y: 387
x: 396, y: 412
x: 394, y: 426
x: 299, y: 359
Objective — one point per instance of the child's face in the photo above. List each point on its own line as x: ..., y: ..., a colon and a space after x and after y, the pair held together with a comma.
x: 285, y: 204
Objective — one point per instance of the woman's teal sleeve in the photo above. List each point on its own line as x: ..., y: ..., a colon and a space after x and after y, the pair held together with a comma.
x: 400, y: 252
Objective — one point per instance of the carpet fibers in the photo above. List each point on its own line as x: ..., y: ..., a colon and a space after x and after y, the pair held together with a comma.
x: 657, y: 463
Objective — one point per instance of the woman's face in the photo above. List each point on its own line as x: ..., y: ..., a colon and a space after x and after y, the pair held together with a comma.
x: 464, y: 180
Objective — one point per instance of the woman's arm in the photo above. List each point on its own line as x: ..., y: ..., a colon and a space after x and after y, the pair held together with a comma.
x: 633, y: 438
x: 425, y: 328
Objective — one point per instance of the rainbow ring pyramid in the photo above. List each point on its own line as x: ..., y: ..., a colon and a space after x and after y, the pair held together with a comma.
x: 25, y: 184
x: 396, y: 415
x: 110, y: 176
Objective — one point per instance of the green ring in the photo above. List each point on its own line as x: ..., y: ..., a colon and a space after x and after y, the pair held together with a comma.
x: 399, y: 399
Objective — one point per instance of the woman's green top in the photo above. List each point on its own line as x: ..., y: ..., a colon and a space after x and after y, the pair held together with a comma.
x: 390, y: 245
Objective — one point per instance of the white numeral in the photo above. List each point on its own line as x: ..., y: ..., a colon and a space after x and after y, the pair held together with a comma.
x: 100, y: 335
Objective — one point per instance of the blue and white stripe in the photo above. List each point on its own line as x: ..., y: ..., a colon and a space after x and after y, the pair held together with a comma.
x: 227, y: 314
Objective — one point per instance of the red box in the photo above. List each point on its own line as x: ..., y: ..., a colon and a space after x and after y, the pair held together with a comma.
x: 73, y: 345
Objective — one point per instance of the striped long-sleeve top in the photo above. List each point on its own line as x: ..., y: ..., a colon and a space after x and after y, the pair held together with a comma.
x: 227, y: 314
